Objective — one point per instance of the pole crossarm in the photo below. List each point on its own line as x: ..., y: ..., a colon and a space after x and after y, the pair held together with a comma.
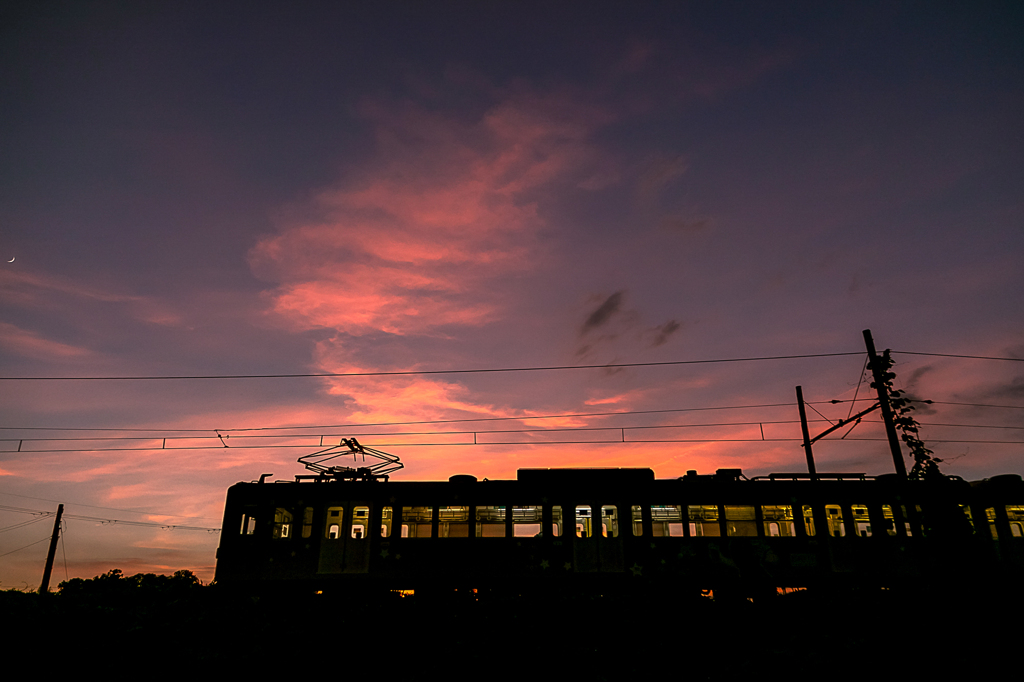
x: 844, y: 422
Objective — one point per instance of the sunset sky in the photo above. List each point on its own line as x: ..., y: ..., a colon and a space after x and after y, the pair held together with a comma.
x: 248, y: 188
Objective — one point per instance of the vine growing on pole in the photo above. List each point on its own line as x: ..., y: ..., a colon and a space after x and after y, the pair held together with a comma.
x: 925, y: 466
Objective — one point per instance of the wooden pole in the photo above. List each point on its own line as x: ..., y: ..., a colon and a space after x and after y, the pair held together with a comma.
x: 45, y: 586
x: 883, y: 401
x: 807, y: 434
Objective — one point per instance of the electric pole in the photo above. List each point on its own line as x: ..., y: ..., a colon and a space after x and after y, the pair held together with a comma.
x: 807, y: 434
x: 45, y: 586
x: 874, y: 362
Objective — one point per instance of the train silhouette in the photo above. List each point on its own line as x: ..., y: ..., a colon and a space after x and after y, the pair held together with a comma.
x: 346, y: 528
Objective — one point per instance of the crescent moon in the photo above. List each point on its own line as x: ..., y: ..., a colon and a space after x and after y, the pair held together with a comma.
x: 12, y: 260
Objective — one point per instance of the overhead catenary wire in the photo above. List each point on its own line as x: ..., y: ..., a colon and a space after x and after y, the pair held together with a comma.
x: 476, y: 419
x: 323, y: 436
x: 93, y: 506
x: 485, y: 370
x: 103, y: 521
x: 25, y: 546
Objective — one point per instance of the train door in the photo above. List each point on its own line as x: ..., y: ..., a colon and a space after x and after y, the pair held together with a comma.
x: 609, y: 540
x: 332, y: 544
x: 357, y: 544
x: 345, y: 545
x: 586, y: 557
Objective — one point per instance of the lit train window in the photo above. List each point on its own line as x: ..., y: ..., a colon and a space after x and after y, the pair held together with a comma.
x: 360, y: 519
x: 609, y: 521
x: 861, y: 520
x: 385, y: 522
x: 906, y: 523
x: 556, y: 521
x: 332, y: 529
x: 704, y: 520
x: 416, y: 522
x: 966, y: 509
x: 584, y: 525
x: 740, y: 521
x: 808, y: 515
x: 638, y: 521
x: 453, y: 522
x: 667, y: 520
x: 490, y: 522
x: 778, y: 520
x: 282, y: 524
x: 1015, y: 514
x: 890, y: 523
x: 526, y: 521
x: 307, y: 522
x: 834, y: 517
x: 990, y: 516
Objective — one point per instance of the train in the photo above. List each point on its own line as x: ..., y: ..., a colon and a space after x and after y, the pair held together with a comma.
x: 344, y: 530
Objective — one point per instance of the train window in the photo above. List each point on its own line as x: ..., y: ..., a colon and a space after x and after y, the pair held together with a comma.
x: 740, y: 521
x: 890, y: 523
x: 416, y: 522
x: 556, y: 521
x: 453, y: 522
x: 584, y: 526
x: 360, y: 521
x: 808, y: 514
x: 834, y: 516
x: 333, y: 526
x: 638, y: 521
x: 282, y: 524
x: 526, y: 521
x: 609, y: 521
x: 667, y: 520
x: 490, y: 522
x: 704, y: 520
x: 248, y: 521
x: 861, y: 520
x: 307, y: 522
x: 990, y: 516
x: 966, y: 510
x: 385, y: 522
x: 778, y: 520
x: 906, y: 523
x: 1015, y: 514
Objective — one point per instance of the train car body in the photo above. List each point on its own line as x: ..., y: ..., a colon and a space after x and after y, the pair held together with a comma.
x: 609, y: 529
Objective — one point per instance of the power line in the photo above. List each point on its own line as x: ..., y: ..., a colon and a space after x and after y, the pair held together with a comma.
x: 104, y: 521
x: 26, y: 546
x: 477, y: 419
x: 93, y: 506
x: 389, y: 433
x: 429, y: 421
x: 428, y: 372
x: 953, y: 355
x: 941, y: 402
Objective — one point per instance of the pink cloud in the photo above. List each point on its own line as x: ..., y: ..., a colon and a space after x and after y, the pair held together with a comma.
x: 30, y: 344
x: 414, y: 244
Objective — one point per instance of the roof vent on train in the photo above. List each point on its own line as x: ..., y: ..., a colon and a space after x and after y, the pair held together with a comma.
x: 462, y: 478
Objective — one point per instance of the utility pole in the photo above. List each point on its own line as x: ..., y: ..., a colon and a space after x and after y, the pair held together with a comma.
x: 883, y: 401
x: 807, y: 434
x: 45, y: 586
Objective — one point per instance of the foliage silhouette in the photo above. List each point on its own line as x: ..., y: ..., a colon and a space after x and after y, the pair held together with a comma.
x: 925, y: 466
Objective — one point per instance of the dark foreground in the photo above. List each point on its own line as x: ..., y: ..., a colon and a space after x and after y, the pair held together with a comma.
x: 150, y: 624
